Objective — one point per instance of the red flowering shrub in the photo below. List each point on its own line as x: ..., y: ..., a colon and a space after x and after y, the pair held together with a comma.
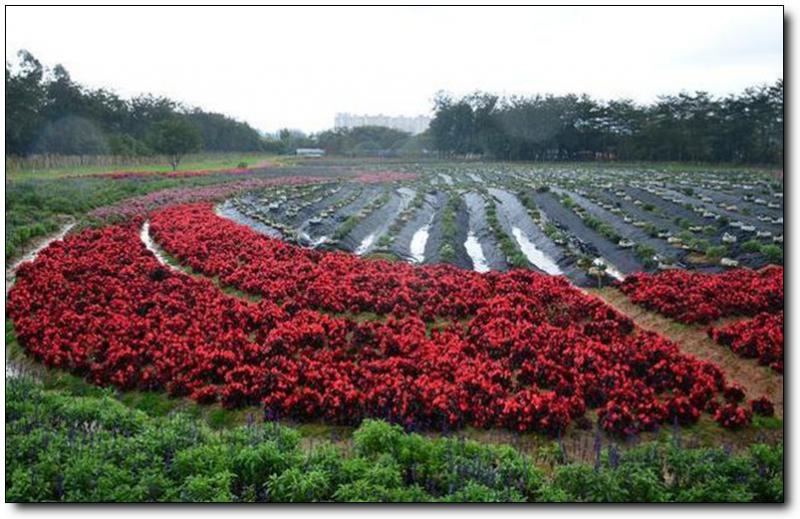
x: 448, y: 347
x: 762, y: 406
x: 174, y: 174
x: 732, y: 416
x: 734, y: 393
x: 695, y: 297
x: 760, y: 338
x: 682, y: 410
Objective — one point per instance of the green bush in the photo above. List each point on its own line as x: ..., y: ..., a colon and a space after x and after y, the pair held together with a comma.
x: 773, y: 253
x: 751, y: 246
x: 716, y: 251
x: 60, y: 447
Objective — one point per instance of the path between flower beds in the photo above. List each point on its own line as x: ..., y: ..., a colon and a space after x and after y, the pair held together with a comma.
x: 35, y: 246
x: 757, y: 380
x: 14, y: 367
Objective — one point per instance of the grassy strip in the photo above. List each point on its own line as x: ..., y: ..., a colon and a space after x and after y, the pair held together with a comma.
x: 195, y: 162
x: 35, y: 207
x: 63, y: 447
x: 447, y: 251
x: 514, y: 256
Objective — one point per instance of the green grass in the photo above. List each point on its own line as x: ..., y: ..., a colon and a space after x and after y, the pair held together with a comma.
x: 204, y: 161
x: 38, y: 205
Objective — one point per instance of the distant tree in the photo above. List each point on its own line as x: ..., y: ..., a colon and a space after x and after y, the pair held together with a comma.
x: 72, y: 136
x: 175, y: 138
x: 25, y: 100
x: 41, y: 104
x: 745, y: 128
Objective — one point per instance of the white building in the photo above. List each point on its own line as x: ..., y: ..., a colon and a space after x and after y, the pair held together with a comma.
x: 412, y: 125
x: 310, y: 152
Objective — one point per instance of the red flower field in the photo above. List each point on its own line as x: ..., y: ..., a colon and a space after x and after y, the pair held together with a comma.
x: 695, y: 297
x: 336, y: 337
x: 758, y: 338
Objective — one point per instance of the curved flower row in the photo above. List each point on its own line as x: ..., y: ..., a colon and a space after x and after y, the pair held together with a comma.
x: 179, y: 174
x: 301, y: 278
x: 141, y: 205
x: 758, y: 338
x: 518, y: 350
x: 695, y: 297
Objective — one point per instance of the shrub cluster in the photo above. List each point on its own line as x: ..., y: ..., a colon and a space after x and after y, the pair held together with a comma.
x: 61, y: 447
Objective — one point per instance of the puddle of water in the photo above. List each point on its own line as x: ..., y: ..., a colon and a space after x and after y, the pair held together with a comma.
x: 475, y: 253
x: 366, y: 243
x: 312, y: 242
x: 144, y: 235
x: 610, y: 269
x: 418, y: 242
x: 534, y: 255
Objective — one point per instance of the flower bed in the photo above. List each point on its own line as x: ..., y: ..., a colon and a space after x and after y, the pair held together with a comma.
x: 448, y: 347
x: 694, y: 297
x: 173, y: 174
x: 758, y: 338
x: 141, y: 205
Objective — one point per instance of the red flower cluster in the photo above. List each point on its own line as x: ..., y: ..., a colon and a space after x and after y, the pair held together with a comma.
x: 695, y: 297
x: 758, y: 338
x: 175, y: 174
x: 762, y: 406
x: 447, y: 347
x: 733, y: 416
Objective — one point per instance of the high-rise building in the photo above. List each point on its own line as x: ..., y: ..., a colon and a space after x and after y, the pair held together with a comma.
x: 412, y: 125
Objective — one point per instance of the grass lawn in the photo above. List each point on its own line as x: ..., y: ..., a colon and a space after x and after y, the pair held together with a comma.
x: 202, y: 161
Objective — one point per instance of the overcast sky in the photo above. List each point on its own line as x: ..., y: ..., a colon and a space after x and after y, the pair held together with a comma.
x: 298, y: 67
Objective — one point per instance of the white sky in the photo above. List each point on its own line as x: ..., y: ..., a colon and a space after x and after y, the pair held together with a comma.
x: 298, y: 67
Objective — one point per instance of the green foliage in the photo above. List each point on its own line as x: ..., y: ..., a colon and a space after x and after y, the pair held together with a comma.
x: 447, y: 251
x: 49, y: 113
x: 773, y: 253
x: 716, y: 251
x: 61, y: 447
x: 175, y: 138
x: 752, y: 246
x: 747, y: 127
x: 513, y: 254
x: 363, y: 140
x: 34, y: 205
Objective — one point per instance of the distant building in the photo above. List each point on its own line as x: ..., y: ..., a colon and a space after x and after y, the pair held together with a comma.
x: 412, y: 125
x: 310, y: 152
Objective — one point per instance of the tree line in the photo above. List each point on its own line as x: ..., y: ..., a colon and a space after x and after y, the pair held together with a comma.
x: 742, y: 128
x: 48, y: 112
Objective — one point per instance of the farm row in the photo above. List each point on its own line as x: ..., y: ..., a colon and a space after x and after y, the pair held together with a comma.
x: 586, y: 225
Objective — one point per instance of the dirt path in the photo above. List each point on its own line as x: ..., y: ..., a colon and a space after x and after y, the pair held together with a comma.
x: 33, y: 249
x: 757, y: 380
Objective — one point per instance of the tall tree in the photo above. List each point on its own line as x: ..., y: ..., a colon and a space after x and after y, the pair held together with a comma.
x: 175, y: 138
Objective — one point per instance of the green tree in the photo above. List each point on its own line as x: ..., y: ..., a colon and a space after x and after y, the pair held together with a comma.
x: 175, y: 138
